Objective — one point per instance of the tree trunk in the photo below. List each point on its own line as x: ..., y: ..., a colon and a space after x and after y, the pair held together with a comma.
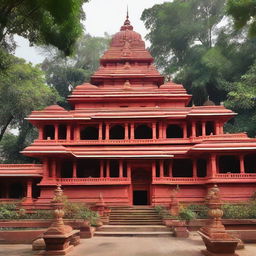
x: 5, y: 127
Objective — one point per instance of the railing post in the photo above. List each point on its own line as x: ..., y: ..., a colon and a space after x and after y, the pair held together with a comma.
x: 241, y: 160
x: 74, y: 175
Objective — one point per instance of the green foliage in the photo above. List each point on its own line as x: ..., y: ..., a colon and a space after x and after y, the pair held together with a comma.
x: 243, y: 13
x: 232, y: 211
x: 200, y: 210
x: 187, y: 214
x: 8, y: 211
x: 55, y: 22
x: 162, y: 211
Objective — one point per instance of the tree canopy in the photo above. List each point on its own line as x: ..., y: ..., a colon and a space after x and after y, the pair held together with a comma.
x: 46, y: 22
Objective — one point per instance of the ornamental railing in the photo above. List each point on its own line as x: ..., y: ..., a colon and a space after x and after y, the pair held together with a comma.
x: 235, y: 175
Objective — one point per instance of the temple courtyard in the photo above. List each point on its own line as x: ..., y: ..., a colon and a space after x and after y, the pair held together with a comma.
x: 130, y: 246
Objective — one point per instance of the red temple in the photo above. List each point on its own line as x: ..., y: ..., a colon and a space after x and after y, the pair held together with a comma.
x: 132, y: 138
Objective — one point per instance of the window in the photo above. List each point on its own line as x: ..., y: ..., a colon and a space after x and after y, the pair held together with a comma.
x: 143, y: 132
x: 174, y: 131
x: 89, y: 133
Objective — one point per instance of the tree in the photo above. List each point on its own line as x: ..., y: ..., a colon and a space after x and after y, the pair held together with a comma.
x: 22, y: 89
x: 65, y: 73
x: 244, y: 14
x: 46, y: 22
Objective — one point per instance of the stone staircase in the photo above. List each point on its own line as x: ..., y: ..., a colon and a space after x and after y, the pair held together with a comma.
x: 134, y: 221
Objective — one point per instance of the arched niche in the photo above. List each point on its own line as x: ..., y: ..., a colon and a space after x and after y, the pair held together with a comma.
x: 143, y: 131
x: 89, y: 133
x: 116, y: 132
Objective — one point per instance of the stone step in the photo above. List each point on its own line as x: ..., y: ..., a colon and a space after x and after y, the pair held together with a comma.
x: 135, y: 223
x: 133, y: 217
x: 133, y: 228
x: 141, y: 234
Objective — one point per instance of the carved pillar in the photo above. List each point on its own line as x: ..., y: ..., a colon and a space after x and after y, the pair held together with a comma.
x: 154, y: 168
x: 100, y: 131
x: 132, y: 131
x: 40, y: 132
x: 194, y: 168
x: 170, y: 168
x: 203, y: 128
x: 241, y: 160
x: 120, y: 168
x: 129, y: 171
x: 107, y: 132
x: 108, y: 169
x: 69, y: 132
x: 154, y: 130
x: 161, y: 162
x: 213, y: 164
x: 74, y: 174
x: 185, y: 132
x: 101, y: 168
x: 193, y: 133
x: 126, y: 131
x: 56, y: 131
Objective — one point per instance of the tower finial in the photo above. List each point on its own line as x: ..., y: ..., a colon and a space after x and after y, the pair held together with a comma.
x: 127, y: 13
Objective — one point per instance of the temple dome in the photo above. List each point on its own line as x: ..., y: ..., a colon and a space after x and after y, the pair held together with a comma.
x: 86, y: 86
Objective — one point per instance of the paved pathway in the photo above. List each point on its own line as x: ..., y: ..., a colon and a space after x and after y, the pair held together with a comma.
x: 131, y: 246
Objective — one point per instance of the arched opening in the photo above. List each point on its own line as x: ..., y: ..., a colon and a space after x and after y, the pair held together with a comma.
x: 89, y: 133
x: 88, y: 168
x: 209, y: 128
x: 174, y: 131
x: 201, y: 167
x: 49, y: 132
x: 143, y: 132
x: 16, y: 190
x: 250, y: 163
x: 66, y: 170
x: 114, y: 168
x: 182, y: 168
x: 229, y: 164
x: 62, y: 132
x: 116, y: 132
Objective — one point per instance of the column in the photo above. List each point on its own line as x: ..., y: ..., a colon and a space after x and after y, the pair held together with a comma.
x: 40, y: 132
x: 154, y: 168
x: 46, y: 168
x: 213, y: 164
x: 29, y: 189
x: 77, y: 132
x: 194, y: 168
x: 164, y: 130
x: 101, y: 168
x: 185, y: 132
x: 170, y: 168
x: 132, y: 131
x: 74, y: 174
x: 121, y: 168
x: 221, y: 128
x: 161, y: 162
x: 193, y: 129
x: 154, y: 130
x: 108, y: 169
x: 160, y: 130
x: 217, y: 128
x: 56, y: 132
x: 203, y: 128
x: 241, y: 160
x: 68, y: 132
x: 129, y: 171
x: 126, y: 131
x: 100, y: 131
x: 107, y: 132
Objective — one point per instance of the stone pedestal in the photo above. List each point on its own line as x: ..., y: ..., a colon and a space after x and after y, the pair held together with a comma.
x: 180, y: 229
x: 217, y: 241
x: 86, y: 231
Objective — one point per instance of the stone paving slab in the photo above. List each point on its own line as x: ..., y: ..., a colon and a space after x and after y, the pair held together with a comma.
x: 131, y: 246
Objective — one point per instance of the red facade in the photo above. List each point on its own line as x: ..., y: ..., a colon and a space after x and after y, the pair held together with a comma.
x: 132, y: 138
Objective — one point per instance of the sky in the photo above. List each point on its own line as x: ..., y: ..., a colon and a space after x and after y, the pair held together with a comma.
x: 101, y: 16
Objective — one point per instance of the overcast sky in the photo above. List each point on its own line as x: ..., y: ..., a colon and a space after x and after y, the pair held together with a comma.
x: 101, y: 16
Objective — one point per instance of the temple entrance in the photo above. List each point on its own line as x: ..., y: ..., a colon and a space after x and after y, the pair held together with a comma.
x: 141, y: 184
x: 140, y: 197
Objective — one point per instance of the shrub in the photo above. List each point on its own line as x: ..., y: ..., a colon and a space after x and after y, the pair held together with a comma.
x: 187, y: 214
x: 8, y: 211
x: 200, y: 210
x: 232, y: 211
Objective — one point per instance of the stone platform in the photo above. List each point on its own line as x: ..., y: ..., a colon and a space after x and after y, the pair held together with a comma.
x: 131, y: 246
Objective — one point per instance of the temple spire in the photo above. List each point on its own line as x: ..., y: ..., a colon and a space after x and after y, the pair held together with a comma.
x: 127, y: 22
x: 127, y: 13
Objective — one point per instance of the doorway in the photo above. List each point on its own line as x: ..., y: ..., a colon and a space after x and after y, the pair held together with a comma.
x: 140, y: 197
